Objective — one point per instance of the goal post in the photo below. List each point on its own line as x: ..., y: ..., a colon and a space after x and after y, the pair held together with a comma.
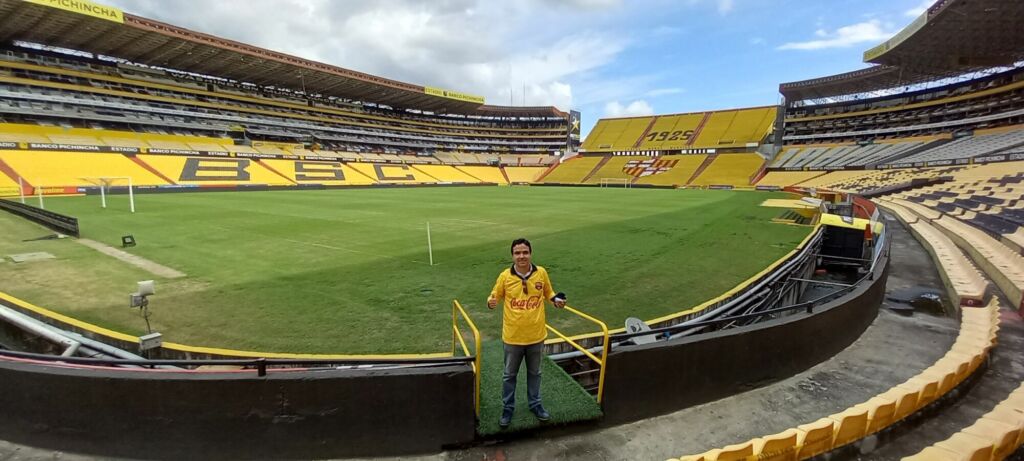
x: 106, y: 182
x: 616, y: 182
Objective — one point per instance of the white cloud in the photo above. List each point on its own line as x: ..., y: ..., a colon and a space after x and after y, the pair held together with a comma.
x: 919, y: 9
x: 757, y: 41
x: 493, y: 49
x: 636, y: 108
x: 662, y: 31
x: 725, y: 6
x: 862, y: 32
x: 663, y: 91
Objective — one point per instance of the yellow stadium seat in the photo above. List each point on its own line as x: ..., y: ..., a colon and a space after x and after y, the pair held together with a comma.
x: 881, y: 413
x: 681, y: 172
x: 1005, y: 436
x: 669, y: 132
x: 1004, y: 413
x: 67, y: 169
x: 213, y: 170
x: 777, y: 447
x: 927, y: 389
x: 944, y: 374
x: 968, y: 447
x: 730, y: 169
x: 933, y: 454
x: 613, y: 169
x: 906, y: 401
x: 787, y: 178
x: 573, y: 171
x: 317, y: 172
x: 735, y: 128
x: 616, y: 134
x: 851, y: 425
x: 491, y: 174
x: 737, y: 452
x: 446, y: 173
x: 521, y: 174
x: 815, y: 438
x: 392, y: 173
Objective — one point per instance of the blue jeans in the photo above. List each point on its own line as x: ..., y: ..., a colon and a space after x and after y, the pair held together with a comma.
x: 513, y: 357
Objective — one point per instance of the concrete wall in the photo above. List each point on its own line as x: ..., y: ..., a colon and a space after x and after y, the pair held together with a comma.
x: 654, y: 379
x: 230, y: 415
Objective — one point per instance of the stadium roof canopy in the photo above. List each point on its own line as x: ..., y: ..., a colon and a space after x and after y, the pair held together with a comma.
x: 84, y: 26
x: 951, y: 39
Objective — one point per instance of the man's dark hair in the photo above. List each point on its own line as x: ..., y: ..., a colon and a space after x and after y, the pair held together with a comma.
x: 520, y: 241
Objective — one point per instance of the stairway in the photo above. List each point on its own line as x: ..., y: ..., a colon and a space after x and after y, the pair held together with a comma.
x: 702, y: 167
x: 597, y: 168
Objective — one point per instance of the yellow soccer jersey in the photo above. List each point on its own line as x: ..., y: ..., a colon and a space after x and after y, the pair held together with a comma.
x: 523, y: 313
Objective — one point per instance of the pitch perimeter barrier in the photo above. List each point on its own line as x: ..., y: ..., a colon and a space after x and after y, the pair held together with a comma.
x: 716, y: 364
x: 738, y: 292
x: 56, y: 221
x: 336, y: 409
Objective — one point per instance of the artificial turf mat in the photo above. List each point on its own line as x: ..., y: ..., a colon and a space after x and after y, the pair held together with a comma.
x: 562, y: 396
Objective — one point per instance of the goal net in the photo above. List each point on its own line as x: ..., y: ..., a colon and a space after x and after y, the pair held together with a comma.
x: 615, y: 182
x: 106, y: 183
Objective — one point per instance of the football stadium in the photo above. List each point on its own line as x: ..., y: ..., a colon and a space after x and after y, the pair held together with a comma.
x: 216, y: 250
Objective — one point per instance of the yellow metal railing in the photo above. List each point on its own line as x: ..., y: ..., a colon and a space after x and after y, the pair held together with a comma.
x: 457, y: 310
x: 601, y: 362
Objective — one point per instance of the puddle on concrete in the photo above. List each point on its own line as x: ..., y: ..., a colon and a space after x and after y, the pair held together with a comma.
x: 926, y: 300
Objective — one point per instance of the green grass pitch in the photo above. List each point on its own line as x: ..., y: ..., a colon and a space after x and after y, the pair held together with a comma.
x: 346, y: 271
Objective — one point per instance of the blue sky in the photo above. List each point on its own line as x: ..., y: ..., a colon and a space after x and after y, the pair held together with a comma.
x: 602, y: 57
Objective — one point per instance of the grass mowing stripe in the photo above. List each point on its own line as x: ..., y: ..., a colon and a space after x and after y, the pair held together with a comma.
x: 616, y: 253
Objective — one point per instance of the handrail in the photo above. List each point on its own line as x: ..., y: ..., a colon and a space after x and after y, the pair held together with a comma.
x: 456, y: 333
x: 603, y: 361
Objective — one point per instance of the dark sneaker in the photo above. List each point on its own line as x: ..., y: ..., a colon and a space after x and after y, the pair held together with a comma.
x: 541, y: 414
x: 506, y: 419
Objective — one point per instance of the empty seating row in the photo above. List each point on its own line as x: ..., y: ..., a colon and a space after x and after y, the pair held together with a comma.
x: 972, y: 146
x: 1000, y: 263
x: 978, y: 330
x: 966, y: 285
x: 994, y: 436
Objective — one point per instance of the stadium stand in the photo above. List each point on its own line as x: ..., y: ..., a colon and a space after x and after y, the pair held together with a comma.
x: 305, y: 172
x: 487, y: 174
x: 613, y: 168
x: 65, y: 169
x: 787, y: 178
x: 42, y: 88
x: 574, y: 170
x: 730, y: 169
x: 667, y: 134
x: 834, y: 157
x: 446, y: 173
x: 984, y: 142
x: 978, y: 329
x: 735, y: 128
x: 524, y: 174
x: 996, y: 435
x: 392, y: 174
x: 213, y: 171
x: 680, y: 173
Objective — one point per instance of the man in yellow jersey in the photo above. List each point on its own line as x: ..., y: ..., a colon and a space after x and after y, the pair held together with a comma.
x: 524, y: 288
